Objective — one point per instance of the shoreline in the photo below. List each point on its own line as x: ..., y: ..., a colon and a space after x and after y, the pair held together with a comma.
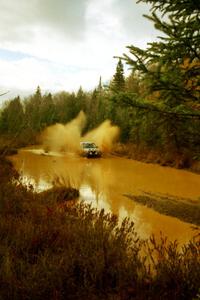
x: 165, y: 159
x: 184, y: 209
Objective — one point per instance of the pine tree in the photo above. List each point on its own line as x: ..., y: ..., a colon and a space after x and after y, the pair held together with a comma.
x: 99, y: 88
x: 169, y: 72
x: 47, y: 110
x: 171, y: 65
x: 81, y: 101
x: 118, y: 81
x: 12, y: 117
x: 33, y: 113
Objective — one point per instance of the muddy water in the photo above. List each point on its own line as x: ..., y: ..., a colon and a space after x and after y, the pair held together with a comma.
x: 103, y: 182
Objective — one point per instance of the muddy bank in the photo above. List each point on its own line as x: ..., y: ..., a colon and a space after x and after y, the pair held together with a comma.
x: 184, y: 209
x: 164, y: 158
x: 60, y: 194
x: 7, y: 171
x: 6, y: 148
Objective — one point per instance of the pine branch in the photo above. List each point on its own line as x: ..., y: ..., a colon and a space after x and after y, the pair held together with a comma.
x: 131, y: 101
x: 4, y: 93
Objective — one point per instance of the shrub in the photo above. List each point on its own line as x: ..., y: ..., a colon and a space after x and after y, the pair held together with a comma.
x: 52, y: 249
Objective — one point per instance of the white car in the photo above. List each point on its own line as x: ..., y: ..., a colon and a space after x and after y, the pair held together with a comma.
x: 90, y: 149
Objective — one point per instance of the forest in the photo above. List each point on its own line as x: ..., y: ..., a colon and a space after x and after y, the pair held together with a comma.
x: 53, y: 247
x: 157, y: 106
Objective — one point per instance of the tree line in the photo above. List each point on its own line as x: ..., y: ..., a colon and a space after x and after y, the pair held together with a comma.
x: 157, y: 105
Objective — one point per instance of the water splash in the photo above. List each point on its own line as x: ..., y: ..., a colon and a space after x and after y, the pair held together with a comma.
x: 67, y: 137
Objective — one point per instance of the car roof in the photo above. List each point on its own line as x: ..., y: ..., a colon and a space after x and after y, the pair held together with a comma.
x: 88, y: 142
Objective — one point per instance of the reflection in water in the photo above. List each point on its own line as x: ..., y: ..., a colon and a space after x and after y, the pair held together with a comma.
x: 103, y: 182
x: 98, y: 201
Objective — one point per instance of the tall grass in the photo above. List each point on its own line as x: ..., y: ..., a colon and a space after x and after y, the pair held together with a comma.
x: 54, y: 248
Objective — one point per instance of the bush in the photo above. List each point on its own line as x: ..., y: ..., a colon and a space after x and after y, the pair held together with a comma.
x: 54, y: 249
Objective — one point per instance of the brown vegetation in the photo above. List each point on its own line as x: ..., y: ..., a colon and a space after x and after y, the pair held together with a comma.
x: 164, y: 158
x: 52, y: 249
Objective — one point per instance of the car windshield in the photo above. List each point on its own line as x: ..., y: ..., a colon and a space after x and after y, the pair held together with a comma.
x: 89, y: 145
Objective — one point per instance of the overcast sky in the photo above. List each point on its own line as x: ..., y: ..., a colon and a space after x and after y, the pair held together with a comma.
x: 62, y: 44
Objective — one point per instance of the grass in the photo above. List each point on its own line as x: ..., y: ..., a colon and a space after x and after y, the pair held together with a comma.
x: 54, y: 248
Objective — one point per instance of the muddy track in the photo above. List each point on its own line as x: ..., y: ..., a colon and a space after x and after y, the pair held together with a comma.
x: 184, y: 209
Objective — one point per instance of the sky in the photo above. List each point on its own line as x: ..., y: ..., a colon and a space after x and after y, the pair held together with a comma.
x: 64, y: 44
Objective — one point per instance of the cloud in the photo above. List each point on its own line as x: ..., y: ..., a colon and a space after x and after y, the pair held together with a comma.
x: 21, y: 20
x: 27, y: 73
x: 66, y: 15
x: 62, y: 44
x: 50, y: 22
x: 121, y: 20
x: 131, y: 16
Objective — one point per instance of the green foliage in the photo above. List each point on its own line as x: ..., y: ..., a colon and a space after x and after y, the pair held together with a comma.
x: 33, y: 110
x: 171, y: 65
x: 12, y: 117
x: 168, y: 72
x: 48, y: 112
x: 118, y: 82
x: 132, y: 83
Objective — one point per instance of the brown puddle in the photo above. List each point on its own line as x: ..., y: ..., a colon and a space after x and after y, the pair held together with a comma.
x: 104, y: 181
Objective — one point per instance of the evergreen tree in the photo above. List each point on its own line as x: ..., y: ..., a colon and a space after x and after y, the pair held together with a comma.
x: 169, y: 73
x: 118, y: 81
x: 81, y: 100
x: 65, y: 106
x: 12, y: 117
x: 99, y: 88
x: 33, y: 107
x: 171, y: 65
x: 38, y: 95
x: 48, y: 114
x: 132, y: 83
